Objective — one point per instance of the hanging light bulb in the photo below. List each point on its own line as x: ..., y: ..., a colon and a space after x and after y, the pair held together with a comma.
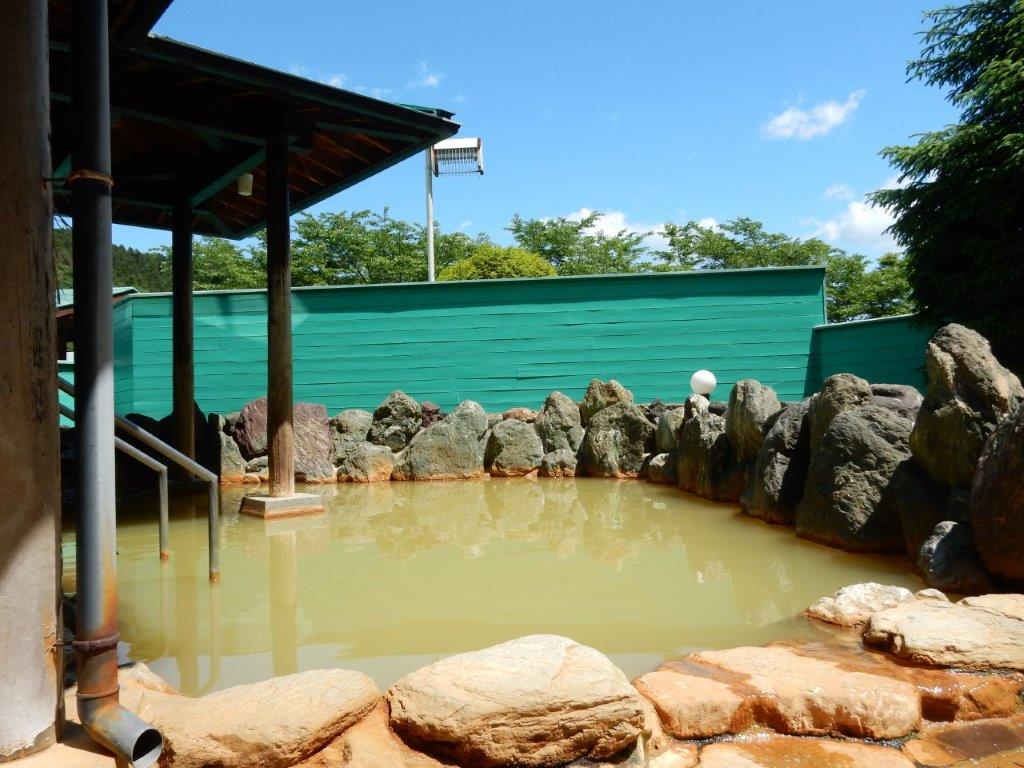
x: 244, y: 185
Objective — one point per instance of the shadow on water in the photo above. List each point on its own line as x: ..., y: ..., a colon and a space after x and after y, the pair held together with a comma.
x: 396, y: 575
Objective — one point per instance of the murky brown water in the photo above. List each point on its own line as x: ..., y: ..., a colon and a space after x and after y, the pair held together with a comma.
x: 396, y: 575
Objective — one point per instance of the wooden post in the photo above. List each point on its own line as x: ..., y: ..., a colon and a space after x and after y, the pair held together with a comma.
x: 279, y: 322
x: 30, y: 628
x: 182, y: 354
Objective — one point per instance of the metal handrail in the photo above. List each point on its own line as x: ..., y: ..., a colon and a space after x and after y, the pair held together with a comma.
x: 183, y: 461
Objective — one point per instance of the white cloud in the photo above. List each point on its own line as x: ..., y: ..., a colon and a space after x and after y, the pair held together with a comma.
x: 811, y: 123
x: 839, y: 191
x: 860, y: 224
x: 708, y: 222
x: 424, y: 78
x: 337, y: 80
x: 613, y: 222
x: 334, y: 79
x: 465, y: 224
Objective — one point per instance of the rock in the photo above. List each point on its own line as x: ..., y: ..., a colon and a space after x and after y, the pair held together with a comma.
x: 662, y: 469
x: 354, y: 422
x: 704, y: 455
x: 847, y: 501
x: 695, y: 404
x: 430, y: 413
x: 560, y: 463
x: 227, y: 422
x: 968, y: 744
x: 751, y: 404
x: 559, y: 424
x: 313, y: 444
x: 447, y: 450
x: 949, y: 635
x: 615, y: 441
x: 997, y: 500
x: 513, y: 449
x: 251, y: 428
x: 947, y: 561
x: 272, y: 724
x: 718, y: 407
x: 666, y: 436
x: 693, y: 707
x: 600, y: 395
x: 367, y: 463
x: 969, y: 393
x: 1011, y: 606
x: 920, y: 504
x: 841, y: 392
x: 231, y: 463
x: 782, y: 752
x: 780, y: 470
x: 901, y: 398
x: 395, y: 421
x: 540, y: 700
x: 852, y: 606
x: 521, y: 414
x: 676, y: 756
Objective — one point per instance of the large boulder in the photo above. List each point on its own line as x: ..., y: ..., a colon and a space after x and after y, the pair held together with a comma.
x: 395, y: 421
x: 947, y: 560
x: 704, y: 455
x: 251, y: 428
x: 666, y: 435
x: 367, y: 463
x: 560, y: 463
x: 616, y: 441
x: 997, y: 500
x: 693, y: 707
x: 969, y: 393
x: 751, y: 404
x: 975, y: 633
x: 540, y: 700
x: 231, y: 464
x: 513, y: 449
x: 313, y: 443
x: 841, y: 392
x: 600, y: 395
x: 780, y: 470
x: 558, y: 424
x: 847, y: 500
x: 447, y: 450
x: 351, y: 428
x: 920, y: 503
x: 272, y: 724
x: 662, y: 468
x: 902, y: 398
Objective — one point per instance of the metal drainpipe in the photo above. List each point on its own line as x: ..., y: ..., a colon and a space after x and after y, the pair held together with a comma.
x: 132, y: 741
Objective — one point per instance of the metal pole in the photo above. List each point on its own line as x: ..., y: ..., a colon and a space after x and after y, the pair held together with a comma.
x: 430, y: 215
x: 96, y: 634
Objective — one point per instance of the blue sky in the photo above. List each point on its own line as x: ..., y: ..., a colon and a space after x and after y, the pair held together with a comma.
x: 649, y: 112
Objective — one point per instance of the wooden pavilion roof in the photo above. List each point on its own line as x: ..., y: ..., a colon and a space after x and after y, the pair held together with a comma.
x: 186, y: 122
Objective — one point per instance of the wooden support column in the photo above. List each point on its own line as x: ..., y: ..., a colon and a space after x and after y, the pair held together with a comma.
x: 31, y: 670
x: 279, y: 322
x: 183, y: 348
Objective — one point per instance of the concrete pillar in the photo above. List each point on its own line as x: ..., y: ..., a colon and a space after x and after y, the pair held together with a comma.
x: 29, y: 447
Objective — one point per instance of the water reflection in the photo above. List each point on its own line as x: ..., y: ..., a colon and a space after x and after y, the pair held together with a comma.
x: 396, y: 575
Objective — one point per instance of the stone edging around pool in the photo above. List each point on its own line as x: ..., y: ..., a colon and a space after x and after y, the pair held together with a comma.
x: 545, y: 700
x: 858, y: 466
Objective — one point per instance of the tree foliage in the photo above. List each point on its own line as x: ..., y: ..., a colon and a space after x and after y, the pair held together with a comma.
x: 489, y: 261
x: 575, y: 247
x: 960, y: 206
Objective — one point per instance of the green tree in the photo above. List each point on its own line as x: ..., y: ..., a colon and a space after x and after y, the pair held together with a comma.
x: 573, y: 247
x: 960, y: 205
x: 744, y: 243
x: 143, y: 270
x: 222, y: 265
x: 489, y: 261
x: 885, y: 290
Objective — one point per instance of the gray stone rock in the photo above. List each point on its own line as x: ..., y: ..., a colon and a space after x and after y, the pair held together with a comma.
x: 920, y: 504
x: 251, y: 428
x: 367, y: 463
x: 969, y: 393
x: 695, y: 404
x: 780, y: 470
x: 447, y: 450
x: 997, y: 500
x: 704, y: 455
x: 616, y: 440
x: 751, y: 404
x: 718, y: 407
x: 666, y: 436
x: 902, y: 398
x: 847, y: 500
x: 470, y: 414
x: 841, y: 392
x: 228, y: 421
x: 521, y: 414
x: 560, y: 463
x: 661, y: 468
x: 430, y: 413
x: 395, y: 421
x: 258, y: 466
x: 313, y: 443
x: 600, y: 395
x: 513, y: 449
x: 558, y: 424
x: 231, y: 462
x: 948, y: 561
x: 350, y: 428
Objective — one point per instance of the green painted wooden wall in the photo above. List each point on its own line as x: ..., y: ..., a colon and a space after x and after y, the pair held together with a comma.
x: 503, y: 343
x: 886, y: 350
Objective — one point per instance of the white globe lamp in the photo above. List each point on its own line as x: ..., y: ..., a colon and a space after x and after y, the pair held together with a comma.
x: 703, y: 382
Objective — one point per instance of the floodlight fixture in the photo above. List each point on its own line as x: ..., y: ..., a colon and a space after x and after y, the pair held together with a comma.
x: 451, y: 157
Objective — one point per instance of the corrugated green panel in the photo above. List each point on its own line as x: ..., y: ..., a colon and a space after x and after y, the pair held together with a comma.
x: 124, y: 371
x: 888, y: 350
x: 66, y: 371
x: 504, y: 343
